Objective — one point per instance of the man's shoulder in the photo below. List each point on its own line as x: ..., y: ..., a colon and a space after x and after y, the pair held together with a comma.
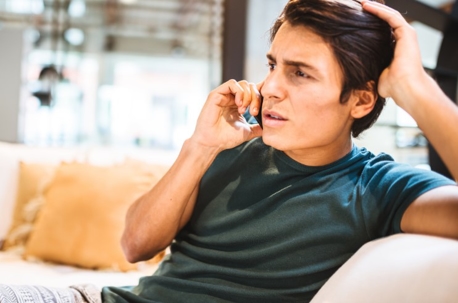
x: 383, y: 170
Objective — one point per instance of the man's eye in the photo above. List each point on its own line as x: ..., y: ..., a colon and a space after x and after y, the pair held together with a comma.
x: 301, y: 74
x: 271, y: 66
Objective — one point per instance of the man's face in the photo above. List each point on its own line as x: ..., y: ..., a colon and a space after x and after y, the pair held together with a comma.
x: 302, y: 113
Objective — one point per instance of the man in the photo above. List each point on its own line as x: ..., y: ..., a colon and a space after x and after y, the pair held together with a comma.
x: 268, y: 215
x: 270, y: 220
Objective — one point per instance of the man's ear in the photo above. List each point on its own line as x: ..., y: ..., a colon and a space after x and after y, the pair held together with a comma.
x: 363, y: 101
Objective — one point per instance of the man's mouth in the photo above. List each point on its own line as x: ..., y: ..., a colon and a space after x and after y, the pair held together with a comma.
x: 273, y: 115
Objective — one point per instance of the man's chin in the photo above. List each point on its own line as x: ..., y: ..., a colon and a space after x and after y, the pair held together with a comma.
x: 274, y: 141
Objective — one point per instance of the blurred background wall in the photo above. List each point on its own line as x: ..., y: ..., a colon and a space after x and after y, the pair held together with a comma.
x: 136, y: 72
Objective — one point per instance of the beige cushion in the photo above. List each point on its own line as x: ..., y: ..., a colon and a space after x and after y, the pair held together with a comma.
x: 399, y: 268
x: 33, y: 177
x: 82, y: 220
x: 10, y: 156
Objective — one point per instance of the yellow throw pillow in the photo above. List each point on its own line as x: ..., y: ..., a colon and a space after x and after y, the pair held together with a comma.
x: 82, y: 220
x: 33, y: 177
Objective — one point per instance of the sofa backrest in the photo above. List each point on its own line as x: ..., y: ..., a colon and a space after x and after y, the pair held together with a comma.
x: 12, y: 154
x: 398, y: 268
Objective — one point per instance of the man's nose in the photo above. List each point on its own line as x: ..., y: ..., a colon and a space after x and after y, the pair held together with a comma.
x: 273, y: 87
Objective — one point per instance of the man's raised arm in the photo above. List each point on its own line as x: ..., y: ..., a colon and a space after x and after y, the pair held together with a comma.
x: 436, y: 211
x: 153, y: 221
x: 406, y: 81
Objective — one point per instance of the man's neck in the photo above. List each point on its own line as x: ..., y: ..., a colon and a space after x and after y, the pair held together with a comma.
x: 322, y: 155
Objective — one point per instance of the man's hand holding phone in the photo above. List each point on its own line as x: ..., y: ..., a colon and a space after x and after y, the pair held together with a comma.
x: 221, y: 123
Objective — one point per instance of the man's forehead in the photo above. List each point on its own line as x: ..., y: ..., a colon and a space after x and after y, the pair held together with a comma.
x: 300, y: 46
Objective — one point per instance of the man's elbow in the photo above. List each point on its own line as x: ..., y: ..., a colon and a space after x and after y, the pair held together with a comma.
x: 136, y: 250
x: 130, y: 250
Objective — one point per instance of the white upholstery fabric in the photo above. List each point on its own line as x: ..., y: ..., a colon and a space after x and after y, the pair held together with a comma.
x: 16, y: 271
x: 399, y: 268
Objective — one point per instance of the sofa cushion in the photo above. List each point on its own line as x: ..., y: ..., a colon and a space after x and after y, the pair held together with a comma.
x: 15, y: 270
x: 399, y: 268
x: 33, y: 177
x: 82, y: 220
x: 10, y: 156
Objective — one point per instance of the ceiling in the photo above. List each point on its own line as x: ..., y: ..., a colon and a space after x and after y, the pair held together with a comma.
x: 188, y: 27
x: 179, y: 27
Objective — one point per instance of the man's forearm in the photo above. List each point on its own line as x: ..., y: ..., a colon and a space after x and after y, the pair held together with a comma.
x: 154, y: 219
x: 437, y: 117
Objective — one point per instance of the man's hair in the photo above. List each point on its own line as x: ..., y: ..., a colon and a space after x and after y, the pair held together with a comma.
x: 362, y: 43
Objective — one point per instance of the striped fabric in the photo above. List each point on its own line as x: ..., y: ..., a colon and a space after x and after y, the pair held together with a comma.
x: 39, y: 294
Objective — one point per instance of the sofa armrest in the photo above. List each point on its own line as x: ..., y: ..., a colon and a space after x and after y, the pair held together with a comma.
x: 398, y: 268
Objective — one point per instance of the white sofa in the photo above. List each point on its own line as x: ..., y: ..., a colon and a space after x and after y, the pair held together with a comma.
x: 400, y: 268
x: 14, y: 268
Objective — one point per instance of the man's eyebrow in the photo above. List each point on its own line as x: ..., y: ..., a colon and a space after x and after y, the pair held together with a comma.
x: 271, y: 58
x: 294, y: 63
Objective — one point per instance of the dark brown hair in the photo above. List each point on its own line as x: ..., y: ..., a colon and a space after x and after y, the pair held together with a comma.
x: 362, y: 43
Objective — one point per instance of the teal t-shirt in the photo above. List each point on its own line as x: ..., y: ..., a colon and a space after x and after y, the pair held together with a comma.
x: 266, y: 228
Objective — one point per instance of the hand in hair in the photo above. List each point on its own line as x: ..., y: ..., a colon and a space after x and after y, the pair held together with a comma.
x: 405, y: 80
x: 409, y: 85
x: 406, y: 67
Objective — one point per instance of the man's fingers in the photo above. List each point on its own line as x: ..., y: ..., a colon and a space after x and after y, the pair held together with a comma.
x: 250, y: 96
x: 255, y: 100
x: 403, y: 32
x: 242, y: 93
x: 246, y: 99
x: 391, y: 16
x: 232, y: 89
x: 237, y: 90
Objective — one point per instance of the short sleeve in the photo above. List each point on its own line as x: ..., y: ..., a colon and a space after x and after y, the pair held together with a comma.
x: 387, y: 188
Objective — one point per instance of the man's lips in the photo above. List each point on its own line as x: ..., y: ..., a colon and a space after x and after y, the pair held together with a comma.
x: 273, y: 119
x: 273, y: 115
